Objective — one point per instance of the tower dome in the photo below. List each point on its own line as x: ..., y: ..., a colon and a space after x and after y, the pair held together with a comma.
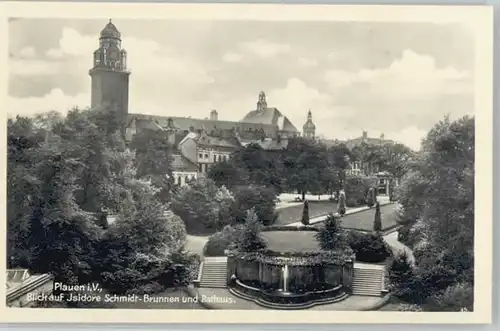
x: 110, y: 31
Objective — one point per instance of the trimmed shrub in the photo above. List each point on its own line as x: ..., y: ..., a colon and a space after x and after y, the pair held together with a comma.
x: 341, y: 209
x: 218, y: 242
x: 305, y: 213
x: 377, y: 222
x: 330, y: 237
x: 370, y: 200
x: 249, y: 239
x: 368, y: 247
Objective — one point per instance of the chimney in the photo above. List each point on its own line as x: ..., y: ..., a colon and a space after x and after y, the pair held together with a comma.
x: 213, y: 115
x: 365, y: 134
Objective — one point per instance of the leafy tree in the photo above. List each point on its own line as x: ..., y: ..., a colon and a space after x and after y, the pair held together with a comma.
x: 377, y: 223
x: 203, y: 206
x: 228, y: 175
x: 305, y: 213
x: 304, y: 163
x: 260, y: 198
x: 330, y: 237
x: 439, y: 190
x: 153, y: 157
x: 250, y: 239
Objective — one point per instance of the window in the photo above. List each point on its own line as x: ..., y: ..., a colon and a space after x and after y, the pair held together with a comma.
x: 206, y: 156
x: 179, y: 181
x: 186, y: 179
x: 200, y: 156
x: 199, y: 167
x: 220, y: 158
x: 225, y: 158
x: 215, y: 158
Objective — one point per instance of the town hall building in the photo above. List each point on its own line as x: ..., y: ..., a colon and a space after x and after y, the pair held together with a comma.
x: 198, y: 143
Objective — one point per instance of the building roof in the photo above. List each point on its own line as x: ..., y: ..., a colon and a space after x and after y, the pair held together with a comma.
x: 182, y: 164
x: 110, y: 31
x: 210, y: 141
x: 270, y: 116
x: 193, y: 124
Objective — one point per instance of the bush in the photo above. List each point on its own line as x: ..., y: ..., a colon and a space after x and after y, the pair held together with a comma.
x: 305, y: 213
x: 404, y: 233
x: 260, y: 198
x: 218, y: 242
x: 458, y: 297
x: 368, y: 247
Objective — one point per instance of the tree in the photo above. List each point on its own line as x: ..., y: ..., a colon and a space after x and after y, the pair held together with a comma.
x: 400, y: 276
x: 250, y: 239
x: 203, y: 206
x: 305, y: 213
x: 439, y: 190
x: 341, y: 209
x: 228, y: 175
x: 330, y: 237
x: 261, y: 198
x: 377, y: 223
x: 304, y: 163
x: 153, y: 157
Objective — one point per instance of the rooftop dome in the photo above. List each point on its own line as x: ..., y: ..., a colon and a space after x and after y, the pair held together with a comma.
x: 110, y: 31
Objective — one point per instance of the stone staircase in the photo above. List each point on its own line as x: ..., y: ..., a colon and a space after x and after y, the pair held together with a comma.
x: 368, y: 279
x: 214, y: 272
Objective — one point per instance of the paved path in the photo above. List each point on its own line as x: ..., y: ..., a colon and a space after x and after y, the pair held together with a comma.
x: 392, y: 240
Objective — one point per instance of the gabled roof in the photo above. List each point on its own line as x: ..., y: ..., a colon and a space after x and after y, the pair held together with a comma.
x: 270, y: 116
x: 182, y: 164
x: 193, y: 124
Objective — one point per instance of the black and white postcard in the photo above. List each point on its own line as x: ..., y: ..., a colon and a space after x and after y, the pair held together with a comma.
x: 233, y: 163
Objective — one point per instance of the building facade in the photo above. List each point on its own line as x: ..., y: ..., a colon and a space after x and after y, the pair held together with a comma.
x: 198, y: 144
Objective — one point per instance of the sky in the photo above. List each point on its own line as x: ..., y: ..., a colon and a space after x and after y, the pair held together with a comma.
x: 392, y: 78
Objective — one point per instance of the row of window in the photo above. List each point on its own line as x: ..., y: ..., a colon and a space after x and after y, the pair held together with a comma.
x: 217, y: 158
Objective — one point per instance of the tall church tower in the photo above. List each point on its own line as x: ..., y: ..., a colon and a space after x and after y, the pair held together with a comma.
x: 110, y: 77
x: 309, y: 129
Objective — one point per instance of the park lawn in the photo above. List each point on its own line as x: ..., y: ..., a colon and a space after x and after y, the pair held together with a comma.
x: 363, y: 220
x: 288, y: 241
x: 293, y: 214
